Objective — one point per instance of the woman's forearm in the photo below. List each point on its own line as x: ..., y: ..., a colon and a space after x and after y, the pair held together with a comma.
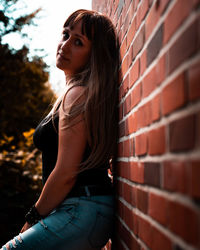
x: 54, y: 192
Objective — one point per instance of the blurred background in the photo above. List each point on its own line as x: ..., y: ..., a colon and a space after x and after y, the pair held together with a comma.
x: 29, y: 85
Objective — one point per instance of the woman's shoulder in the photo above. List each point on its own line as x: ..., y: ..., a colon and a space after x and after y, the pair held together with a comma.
x: 74, y: 95
x: 75, y: 92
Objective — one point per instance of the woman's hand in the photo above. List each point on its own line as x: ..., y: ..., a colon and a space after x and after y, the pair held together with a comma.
x: 25, y: 227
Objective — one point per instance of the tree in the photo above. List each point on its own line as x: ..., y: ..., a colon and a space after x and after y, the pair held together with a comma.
x: 8, y: 23
x: 25, y: 94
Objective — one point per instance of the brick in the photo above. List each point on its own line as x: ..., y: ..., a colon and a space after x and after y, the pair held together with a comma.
x: 130, y: 56
x: 194, y: 169
x: 123, y: 48
x: 132, y: 123
x: 136, y: 95
x: 141, y: 13
x: 164, y: 5
x: 122, y: 129
x: 125, y: 85
x: 152, y: 237
x: 120, y: 7
x: 158, y: 207
x: 138, y: 42
x: 127, y: 194
x: 144, y: 115
x: 133, y: 7
x: 182, y: 134
x: 143, y: 62
x: 183, y: 221
x: 132, y: 147
x: 155, y: 45
x: 127, y: 104
x: 197, y: 132
x: 128, y: 217
x: 124, y: 169
x: 115, y: 5
x: 194, y: 82
x: 180, y: 51
x: 124, y: 67
x: 120, y: 33
x: 135, y: 224
x: 152, y: 173
x: 118, y: 188
x: 149, y: 82
x: 126, y: 151
x: 155, y: 108
x: 151, y: 21
x: 145, y: 231
x: 131, y: 10
x: 120, y: 92
x: 134, y: 72
x: 126, y: 21
x: 176, y: 17
x: 137, y: 172
x: 120, y: 149
x: 198, y: 32
x: 175, y: 176
x: 160, y: 240
x: 174, y: 95
x: 123, y: 28
x: 141, y: 144
x: 133, y: 196
x: 156, y: 141
x: 131, y: 32
x: 128, y: 239
x: 120, y: 112
x: 120, y: 77
x: 142, y: 200
x: 161, y: 69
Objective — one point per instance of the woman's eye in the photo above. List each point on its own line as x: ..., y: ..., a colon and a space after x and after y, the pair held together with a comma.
x: 78, y: 42
x: 65, y: 35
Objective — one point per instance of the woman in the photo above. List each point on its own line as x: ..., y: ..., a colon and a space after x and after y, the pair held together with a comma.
x: 78, y: 140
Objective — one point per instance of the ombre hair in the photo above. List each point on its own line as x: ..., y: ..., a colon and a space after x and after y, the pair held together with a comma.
x: 100, y: 80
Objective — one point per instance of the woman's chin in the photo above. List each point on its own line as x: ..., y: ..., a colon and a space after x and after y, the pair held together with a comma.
x: 59, y: 65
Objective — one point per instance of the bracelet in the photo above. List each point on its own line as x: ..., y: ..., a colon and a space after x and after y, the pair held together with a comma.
x: 33, y: 216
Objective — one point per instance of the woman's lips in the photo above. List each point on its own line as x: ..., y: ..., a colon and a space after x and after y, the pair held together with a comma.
x: 62, y: 55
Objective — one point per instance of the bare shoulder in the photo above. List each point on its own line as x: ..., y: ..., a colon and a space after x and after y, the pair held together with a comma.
x: 74, y: 95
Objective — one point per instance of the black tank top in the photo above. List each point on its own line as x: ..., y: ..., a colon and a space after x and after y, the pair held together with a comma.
x: 46, y: 139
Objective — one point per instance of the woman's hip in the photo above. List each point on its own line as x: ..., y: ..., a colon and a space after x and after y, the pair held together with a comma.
x: 77, y: 223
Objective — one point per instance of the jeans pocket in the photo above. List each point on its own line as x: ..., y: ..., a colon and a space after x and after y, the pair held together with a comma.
x: 101, y: 231
x: 59, y: 218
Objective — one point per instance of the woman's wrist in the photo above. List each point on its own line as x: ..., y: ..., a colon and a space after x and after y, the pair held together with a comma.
x: 33, y: 216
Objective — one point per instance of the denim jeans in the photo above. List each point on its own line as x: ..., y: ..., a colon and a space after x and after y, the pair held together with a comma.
x: 79, y: 223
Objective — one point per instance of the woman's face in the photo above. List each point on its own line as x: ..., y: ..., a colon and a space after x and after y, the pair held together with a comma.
x: 73, y: 51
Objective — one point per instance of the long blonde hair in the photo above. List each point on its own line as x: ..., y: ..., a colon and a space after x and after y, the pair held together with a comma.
x: 100, y: 78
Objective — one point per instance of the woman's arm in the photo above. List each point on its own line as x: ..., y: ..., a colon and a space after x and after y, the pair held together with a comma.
x: 71, y: 146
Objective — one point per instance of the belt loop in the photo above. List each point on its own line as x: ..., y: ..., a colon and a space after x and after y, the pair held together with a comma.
x: 87, y: 191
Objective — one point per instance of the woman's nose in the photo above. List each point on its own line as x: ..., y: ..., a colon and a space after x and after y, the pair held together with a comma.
x: 66, y: 45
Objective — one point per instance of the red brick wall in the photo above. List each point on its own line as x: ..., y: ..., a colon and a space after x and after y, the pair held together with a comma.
x: 158, y: 172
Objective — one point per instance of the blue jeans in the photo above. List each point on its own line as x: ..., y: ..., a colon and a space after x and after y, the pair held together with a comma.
x: 79, y: 223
